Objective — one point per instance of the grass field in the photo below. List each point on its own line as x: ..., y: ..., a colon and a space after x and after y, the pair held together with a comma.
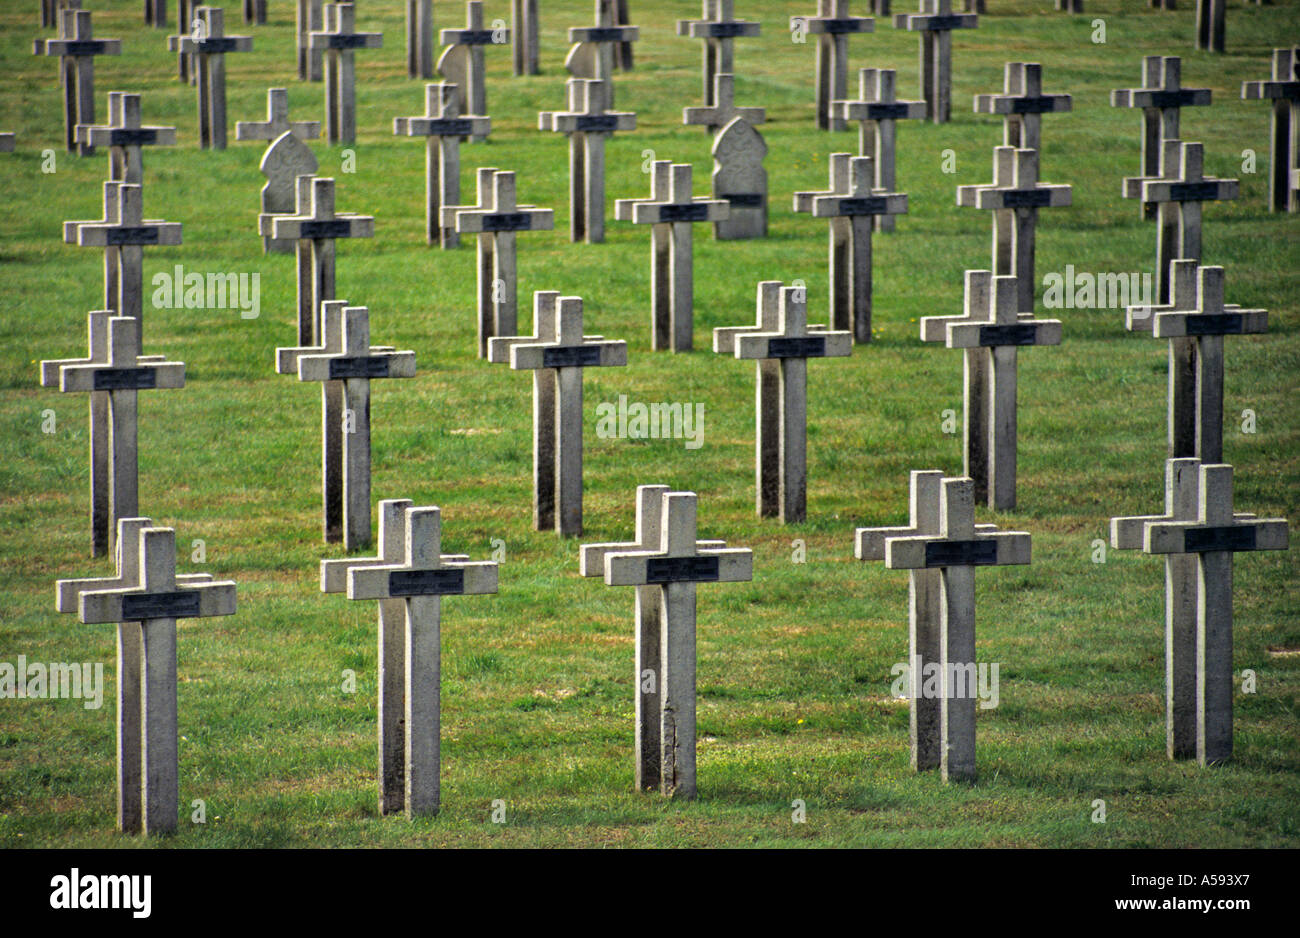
x: 794, y: 668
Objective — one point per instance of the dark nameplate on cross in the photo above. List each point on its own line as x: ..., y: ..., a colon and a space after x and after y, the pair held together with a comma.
x: 426, y: 582
x: 125, y: 379
x: 358, y: 368
x: 1025, y: 198
x: 743, y: 199
x: 672, y: 213
x: 936, y: 24
x: 1032, y: 105
x: 681, y: 569
x: 1215, y: 324
x: 1008, y: 335
x: 473, y: 37
x: 603, y: 34
x: 357, y: 41
x: 802, y: 347
x: 726, y: 30
x: 217, y: 45
x: 132, y: 138
x: 836, y: 27
x: 570, y: 356
x: 147, y: 234
x: 882, y: 111
x: 183, y: 604
x: 1193, y: 191
x: 1232, y: 537
x: 961, y: 553
x: 452, y: 126
x: 872, y: 206
x: 515, y: 221
x: 325, y: 229
x: 84, y: 47
x: 1172, y: 98
x: 596, y: 123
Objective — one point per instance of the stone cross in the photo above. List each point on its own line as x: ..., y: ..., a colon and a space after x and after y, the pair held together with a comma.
x: 76, y: 49
x: 185, y: 25
x: 878, y: 109
x: 338, y: 42
x: 594, y: 47
x: 556, y: 353
x: 1161, y: 99
x: 1178, y: 195
x: 287, y: 158
x: 935, y: 22
x: 832, y: 26
x: 124, y: 136
x: 1284, y: 151
x: 1209, y: 24
x: 497, y: 219
x: 850, y: 206
x: 442, y: 126
x: 722, y: 111
x: 667, y: 559
x: 670, y: 211
x: 1195, y: 321
x: 943, y: 537
x: 523, y: 32
x: 1200, y: 522
x: 310, y: 19
x: 123, y: 233
x: 255, y: 12
x: 719, y: 29
x: 462, y: 61
x: 144, y: 600
x: 587, y: 125
x: 6, y: 142
x: 1022, y: 105
x: 112, y: 373
x: 50, y: 10
x: 1014, y: 197
x: 740, y: 180
x: 315, y: 226
x: 991, y: 332
x: 409, y: 578
x: 780, y: 344
x: 925, y: 613
x: 277, y: 121
x: 419, y: 39
x: 346, y: 364
x: 209, y: 55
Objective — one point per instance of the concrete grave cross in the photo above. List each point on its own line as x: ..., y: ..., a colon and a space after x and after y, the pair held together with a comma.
x: 497, y: 219
x: 675, y: 564
x: 935, y: 22
x: 670, y: 211
x: 1210, y: 15
x: 255, y: 12
x: 1284, y: 150
x: 832, y: 26
x: 955, y: 551
x: 1014, y: 198
x: 287, y: 158
x: 443, y: 128
x: 1195, y: 322
x: 419, y: 39
x: 112, y: 427
x: 418, y: 581
x: 1161, y: 99
x: 850, y: 206
x: 310, y: 18
x: 123, y: 233
x: 277, y: 121
x: 145, y: 607
x: 991, y: 333
x: 780, y: 346
x: 1213, y: 537
x: 523, y: 34
x: 925, y: 612
x: 1178, y: 195
x: 208, y: 46
x: 187, y: 23
x: 594, y: 48
x: 1182, y: 482
x: 50, y: 10
x: 557, y: 353
x: 352, y: 362
x: 338, y: 42
x: 76, y: 48
x: 740, y: 180
x: 130, y: 690
x: 462, y: 61
x: 315, y: 226
x: 1022, y: 105
x: 719, y: 29
x: 722, y: 110
x: 877, y: 110
x: 587, y: 125
x: 124, y: 136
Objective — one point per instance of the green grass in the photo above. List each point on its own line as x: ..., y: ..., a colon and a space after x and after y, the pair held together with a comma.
x: 538, y: 684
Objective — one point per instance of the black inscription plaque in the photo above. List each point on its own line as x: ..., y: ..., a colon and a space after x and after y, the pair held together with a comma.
x: 1215, y: 324
x: 1043, y: 105
x: 446, y: 582
x: 141, y: 234
x: 125, y: 379
x: 673, y: 213
x: 182, y: 604
x: 604, y: 34
x: 744, y: 199
x: 1026, y: 198
x: 726, y: 30
x: 801, y: 347
x: 131, y: 137
x: 217, y: 45
x: 1171, y: 98
x: 875, y: 205
x: 451, y: 126
x: 881, y: 112
x: 513, y: 221
x: 348, y: 41
x: 1008, y: 335
x: 936, y: 24
x: 83, y: 47
x: 358, y: 368
x: 1230, y: 537
x: 682, y: 570
x: 839, y: 27
x: 570, y: 356
x: 339, y: 228
x: 1193, y: 191
x: 979, y: 553
x: 596, y: 123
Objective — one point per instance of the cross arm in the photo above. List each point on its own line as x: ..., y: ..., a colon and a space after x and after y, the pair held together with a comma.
x: 702, y: 209
x: 100, y: 234
x: 101, y: 376
x: 1204, y: 190
x: 464, y: 126
x: 214, y: 45
x: 869, y: 543
x: 996, y: 548
x: 835, y: 26
x: 1005, y: 104
x: 824, y: 344
x: 566, y: 122
x: 480, y: 221
x: 98, y: 135
x: 837, y: 206
x: 989, y: 334
x: 342, y: 225
x: 1129, y: 533
x: 343, y: 42
x: 712, y: 29
x: 77, y: 47
x: 286, y: 359
x: 1190, y: 537
x: 67, y: 593
x: 1159, y: 98
x: 930, y: 22
x: 1043, y: 195
x: 339, y: 367
x: 1260, y: 90
x: 591, y: 560
x: 197, y: 601
x: 696, y: 115
x: 401, y: 582
x: 334, y: 573
x: 878, y: 110
x: 604, y: 33
x: 645, y: 568
x: 1233, y: 321
x: 524, y: 356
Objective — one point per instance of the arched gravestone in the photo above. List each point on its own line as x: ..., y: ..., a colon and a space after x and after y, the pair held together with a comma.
x: 285, y: 160
x: 739, y: 178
